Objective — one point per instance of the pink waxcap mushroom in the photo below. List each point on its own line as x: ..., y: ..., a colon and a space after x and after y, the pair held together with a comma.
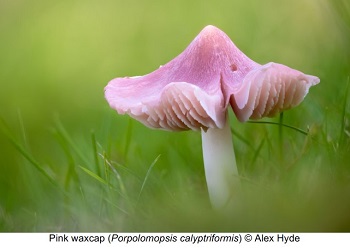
x: 193, y: 90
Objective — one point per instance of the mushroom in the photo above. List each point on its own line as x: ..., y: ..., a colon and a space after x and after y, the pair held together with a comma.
x: 193, y: 92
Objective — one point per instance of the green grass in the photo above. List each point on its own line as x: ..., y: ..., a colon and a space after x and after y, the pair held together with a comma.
x: 69, y: 163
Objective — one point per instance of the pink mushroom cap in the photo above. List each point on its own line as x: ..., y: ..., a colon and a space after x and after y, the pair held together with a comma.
x: 193, y: 90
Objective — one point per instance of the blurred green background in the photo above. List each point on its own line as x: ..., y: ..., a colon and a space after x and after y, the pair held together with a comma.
x: 70, y: 163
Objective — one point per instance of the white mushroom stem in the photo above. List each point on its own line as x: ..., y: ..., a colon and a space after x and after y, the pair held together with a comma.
x: 219, y: 164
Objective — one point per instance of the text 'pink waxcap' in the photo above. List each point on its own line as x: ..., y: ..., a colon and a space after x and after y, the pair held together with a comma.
x: 193, y: 90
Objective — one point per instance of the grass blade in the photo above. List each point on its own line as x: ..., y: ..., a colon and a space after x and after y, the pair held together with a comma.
x: 62, y: 131
x: 94, y: 147
x: 128, y: 137
x: 280, y: 124
x: 256, y: 154
x: 71, y: 174
x: 93, y: 175
x: 280, y: 137
x: 147, y: 175
x: 119, y: 208
x: 5, y: 129
x: 241, y: 138
x: 123, y: 191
